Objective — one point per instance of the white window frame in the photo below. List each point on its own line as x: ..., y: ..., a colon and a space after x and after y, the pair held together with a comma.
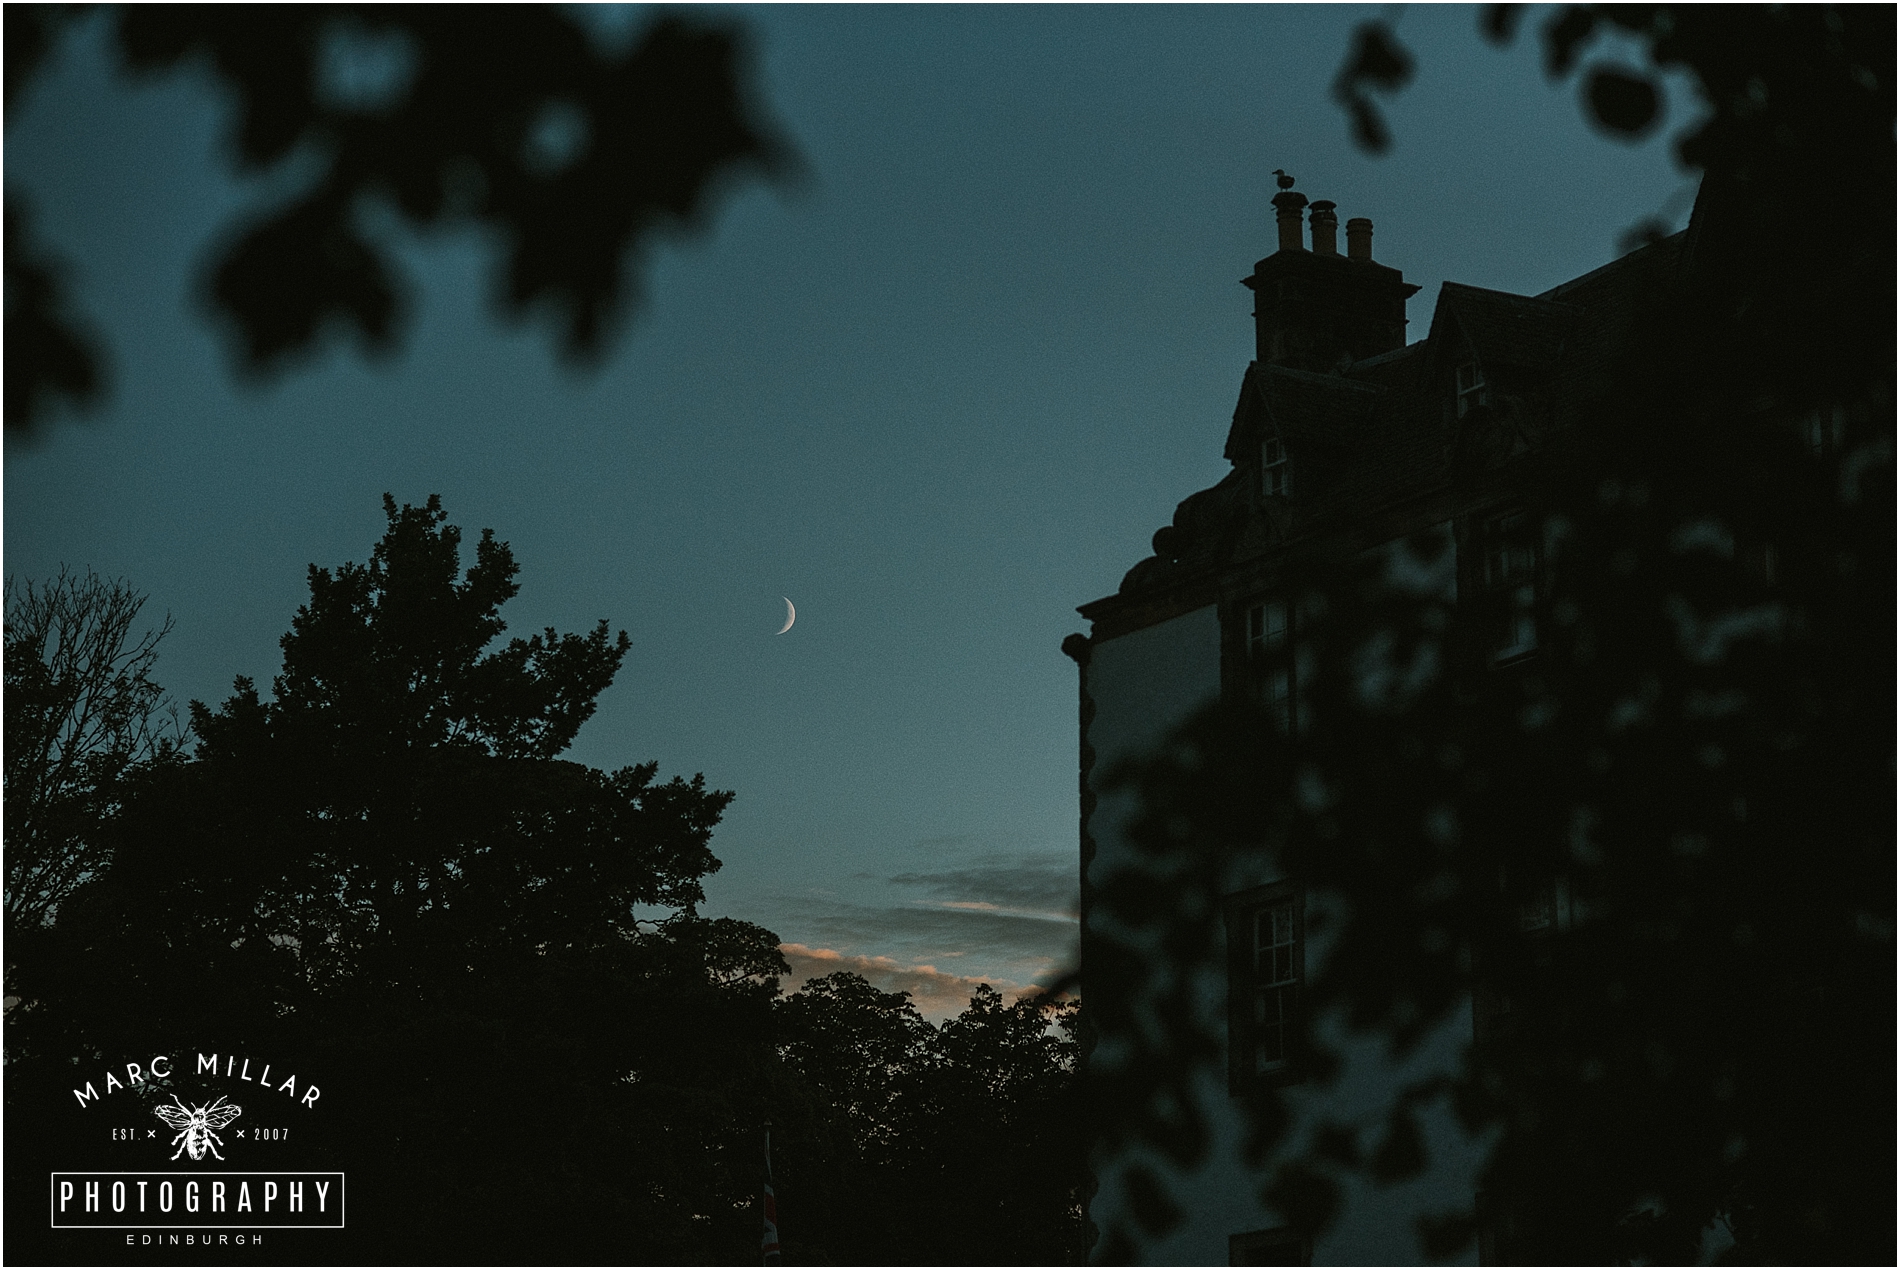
x: 1269, y: 646
x: 1470, y: 387
x: 1275, y: 473
x: 1510, y: 564
x: 1275, y: 987
x: 1266, y: 933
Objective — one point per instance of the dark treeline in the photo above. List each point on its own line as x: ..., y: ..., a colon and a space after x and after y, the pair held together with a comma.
x: 1698, y: 761
x: 531, y: 1047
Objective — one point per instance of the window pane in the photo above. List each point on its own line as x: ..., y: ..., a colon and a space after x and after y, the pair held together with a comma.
x: 1273, y: 466
x: 1267, y: 625
x: 1270, y: 1028
x: 1510, y: 575
x: 1273, y: 944
x: 1262, y: 1038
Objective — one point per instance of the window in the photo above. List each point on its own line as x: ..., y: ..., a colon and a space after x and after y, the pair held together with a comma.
x: 1539, y: 912
x: 1551, y: 907
x: 1273, y: 468
x: 1281, y: 1246
x: 1470, y: 388
x: 1766, y: 562
x: 1824, y: 429
x: 1266, y: 959
x: 1270, y: 657
x: 1510, y: 583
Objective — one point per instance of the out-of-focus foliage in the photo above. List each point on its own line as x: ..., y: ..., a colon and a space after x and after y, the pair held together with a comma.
x: 574, y: 158
x: 1659, y: 854
x: 52, y: 362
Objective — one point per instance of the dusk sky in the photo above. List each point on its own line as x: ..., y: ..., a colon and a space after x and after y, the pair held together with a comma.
x: 939, y: 393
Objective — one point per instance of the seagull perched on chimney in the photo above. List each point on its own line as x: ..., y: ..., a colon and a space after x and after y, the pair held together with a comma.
x: 1286, y: 182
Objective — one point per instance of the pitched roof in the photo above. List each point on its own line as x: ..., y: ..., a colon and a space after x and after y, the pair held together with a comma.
x: 1504, y: 329
x: 1381, y: 432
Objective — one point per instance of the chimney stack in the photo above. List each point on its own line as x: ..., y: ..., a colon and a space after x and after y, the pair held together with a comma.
x: 1318, y: 310
x: 1325, y: 228
x: 1359, y: 239
x: 1286, y: 209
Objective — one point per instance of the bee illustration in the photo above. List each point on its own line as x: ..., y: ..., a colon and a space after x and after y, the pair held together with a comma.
x: 196, y: 1126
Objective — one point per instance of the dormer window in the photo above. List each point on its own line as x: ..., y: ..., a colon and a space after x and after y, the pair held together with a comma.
x: 1273, y: 469
x: 1470, y: 388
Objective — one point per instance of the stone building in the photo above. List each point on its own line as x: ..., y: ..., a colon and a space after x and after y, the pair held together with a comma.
x: 1345, y: 440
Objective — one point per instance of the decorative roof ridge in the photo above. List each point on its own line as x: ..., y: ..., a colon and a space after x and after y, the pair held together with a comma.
x: 1674, y: 240
x: 1315, y: 377
x: 1449, y: 289
x: 1390, y: 355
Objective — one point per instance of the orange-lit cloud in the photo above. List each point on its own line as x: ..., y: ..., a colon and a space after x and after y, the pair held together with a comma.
x: 937, y: 994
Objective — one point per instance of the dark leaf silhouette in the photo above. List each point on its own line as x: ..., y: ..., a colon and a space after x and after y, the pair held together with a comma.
x: 574, y: 158
x: 1500, y: 22
x: 32, y: 31
x: 1565, y: 35
x: 52, y: 362
x: 1377, y: 62
x: 1623, y: 103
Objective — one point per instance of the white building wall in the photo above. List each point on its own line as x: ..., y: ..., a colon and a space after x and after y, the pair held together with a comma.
x: 1142, y: 685
x: 1146, y: 682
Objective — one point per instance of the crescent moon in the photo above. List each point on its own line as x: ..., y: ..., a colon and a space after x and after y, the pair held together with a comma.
x: 791, y: 615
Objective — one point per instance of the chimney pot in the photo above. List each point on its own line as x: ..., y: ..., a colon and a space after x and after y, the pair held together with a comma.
x: 1287, y: 206
x: 1359, y: 238
x: 1325, y: 228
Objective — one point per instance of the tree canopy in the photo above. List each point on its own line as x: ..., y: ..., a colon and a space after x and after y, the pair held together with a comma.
x: 533, y: 1046
x: 386, y: 866
x: 960, y: 1144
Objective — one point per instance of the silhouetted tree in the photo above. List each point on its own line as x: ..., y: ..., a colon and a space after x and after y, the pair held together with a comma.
x: 535, y: 1049
x: 82, y: 710
x: 510, y: 118
x: 531, y: 1046
x: 1698, y: 765
x: 960, y: 1144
